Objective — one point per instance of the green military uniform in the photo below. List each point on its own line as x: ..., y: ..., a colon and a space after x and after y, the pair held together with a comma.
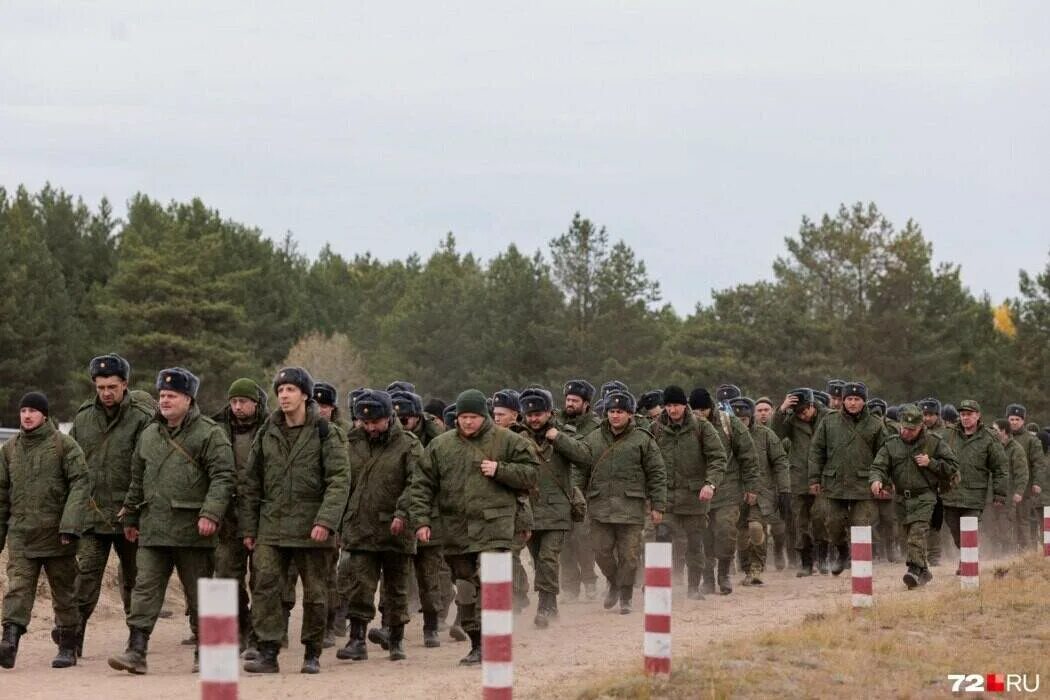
x: 840, y: 456
x: 693, y: 458
x: 982, y: 461
x: 741, y: 476
x: 774, y: 478
x: 576, y: 563
x: 108, y: 439
x: 810, y: 511
x: 297, y: 477
x: 1029, y: 513
x: 933, y: 537
x: 1004, y: 520
x: 477, y: 512
x: 915, y: 487
x: 43, y: 496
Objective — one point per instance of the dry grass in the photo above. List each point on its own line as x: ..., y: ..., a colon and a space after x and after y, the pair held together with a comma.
x: 904, y: 648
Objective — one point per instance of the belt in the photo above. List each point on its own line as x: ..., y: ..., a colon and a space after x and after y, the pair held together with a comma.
x: 908, y: 493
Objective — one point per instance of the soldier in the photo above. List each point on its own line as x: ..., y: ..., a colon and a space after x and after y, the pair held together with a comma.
x: 796, y: 420
x: 931, y: 417
x: 107, y: 428
x: 473, y: 475
x: 618, y: 467
x: 327, y: 398
x: 43, y: 494
x: 774, y: 492
x: 375, y: 530
x: 408, y: 408
x: 1028, y: 513
x: 982, y: 463
x: 506, y: 408
x: 840, y: 455
x: 950, y: 415
x: 577, y: 556
x: 294, y: 497
x: 764, y: 411
x: 781, y: 528
x: 834, y: 392
x: 448, y: 417
x: 650, y: 406
x: 695, y: 462
x: 884, y: 534
x: 1004, y: 520
x: 241, y: 418
x: 550, y: 499
x: 506, y: 413
x: 739, y: 487
x: 182, y: 481
x: 916, y: 461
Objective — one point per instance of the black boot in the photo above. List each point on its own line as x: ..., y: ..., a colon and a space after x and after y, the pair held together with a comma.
x: 9, y: 644
x: 67, y: 648
x: 380, y: 636
x: 355, y: 649
x: 805, y: 566
x: 842, y: 563
x: 431, y: 639
x: 611, y: 596
x: 542, y: 619
x: 911, y: 576
x: 779, y: 553
x: 626, y: 599
x: 397, y: 643
x: 266, y: 661
x: 473, y: 658
x: 822, y: 557
x: 708, y: 586
x: 133, y: 660
x: 311, y: 659
x: 725, y: 586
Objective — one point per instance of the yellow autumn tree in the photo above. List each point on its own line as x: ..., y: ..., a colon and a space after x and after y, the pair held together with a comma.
x: 1004, y: 321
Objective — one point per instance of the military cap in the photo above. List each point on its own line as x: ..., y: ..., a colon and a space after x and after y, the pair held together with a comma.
x: 650, y: 399
x: 835, y: 387
x: 893, y: 412
x: 373, y: 404
x: 930, y: 405
x: 244, y: 388
x: 910, y: 416
x: 1032, y: 428
x: 449, y: 416
x: 579, y: 387
x: 435, y: 407
x: 700, y: 398
x: 727, y: 392
x: 805, y: 396
x: 742, y: 406
x: 855, y: 389
x: 406, y: 403
x: 675, y: 394
x: 613, y: 385
x: 822, y: 397
x: 619, y: 399
x: 111, y: 365
x: 765, y: 400
x: 36, y: 401
x: 1016, y: 409
x: 536, y: 401
x: 507, y: 398
x: 296, y: 376
x: 969, y: 405
x: 178, y: 379
x: 949, y: 413
x: 599, y: 407
x: 877, y: 406
x: 352, y: 396
x: 471, y: 401
x: 325, y: 394
x: 401, y: 385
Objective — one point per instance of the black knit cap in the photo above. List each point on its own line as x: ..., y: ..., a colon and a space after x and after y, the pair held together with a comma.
x: 727, y: 392
x: 619, y: 399
x: 700, y: 398
x: 650, y: 399
x: 111, y: 365
x: 1016, y: 409
x: 296, y: 376
x: 178, y: 379
x: 401, y: 385
x: 579, y: 387
x: 326, y: 394
x: 406, y: 403
x: 835, y: 387
x: 36, y: 401
x: 373, y: 404
x: 675, y: 394
x: 742, y: 406
x: 507, y: 398
x: 536, y: 400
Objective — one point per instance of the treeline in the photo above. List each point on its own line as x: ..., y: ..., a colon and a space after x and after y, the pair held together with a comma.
x: 852, y: 296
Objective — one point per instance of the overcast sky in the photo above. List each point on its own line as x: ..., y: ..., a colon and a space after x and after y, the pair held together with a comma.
x: 700, y: 133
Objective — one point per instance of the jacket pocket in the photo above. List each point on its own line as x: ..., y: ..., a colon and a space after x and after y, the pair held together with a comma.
x: 634, y: 492
x: 177, y: 504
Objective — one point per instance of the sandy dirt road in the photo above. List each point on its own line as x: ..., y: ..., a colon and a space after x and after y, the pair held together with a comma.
x: 586, y: 644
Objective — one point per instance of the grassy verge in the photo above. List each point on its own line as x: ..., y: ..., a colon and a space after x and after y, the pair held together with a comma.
x: 904, y: 648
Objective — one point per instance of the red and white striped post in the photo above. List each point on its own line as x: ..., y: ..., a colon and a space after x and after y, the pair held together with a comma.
x: 219, y: 643
x: 497, y: 626
x: 1046, y: 531
x: 657, y: 641
x: 969, y: 576
x: 860, y: 566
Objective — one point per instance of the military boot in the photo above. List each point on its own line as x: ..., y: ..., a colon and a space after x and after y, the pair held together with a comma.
x: 266, y: 661
x: 311, y: 659
x: 337, y: 621
x: 455, y: 630
x: 822, y: 557
x: 473, y: 657
x: 133, y: 660
x: 708, y: 585
x: 542, y: 619
x: 805, y: 565
x: 725, y: 586
x: 67, y: 648
x: 780, y: 553
x: 431, y: 639
x: 9, y: 644
x: 693, y: 584
x: 380, y: 636
x: 552, y: 606
x: 911, y: 576
x: 196, y: 660
x: 842, y: 563
x: 626, y: 599
x: 355, y: 649
x: 397, y: 643
x: 611, y: 596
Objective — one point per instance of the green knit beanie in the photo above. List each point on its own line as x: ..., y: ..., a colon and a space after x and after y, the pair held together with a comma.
x: 244, y: 388
x: 472, y: 401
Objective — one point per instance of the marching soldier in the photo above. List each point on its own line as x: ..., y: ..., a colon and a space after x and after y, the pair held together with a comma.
x: 1028, y: 513
x: 577, y: 556
x: 1004, y: 520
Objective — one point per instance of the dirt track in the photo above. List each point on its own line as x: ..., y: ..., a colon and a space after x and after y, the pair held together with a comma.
x: 587, y: 644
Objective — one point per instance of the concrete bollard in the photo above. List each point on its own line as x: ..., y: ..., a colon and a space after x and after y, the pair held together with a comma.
x: 969, y: 576
x: 860, y: 566
x: 497, y: 625
x: 219, y: 642
x: 657, y: 637
x: 1046, y: 531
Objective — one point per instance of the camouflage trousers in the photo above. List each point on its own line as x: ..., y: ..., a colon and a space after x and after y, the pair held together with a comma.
x: 811, y: 514
x: 688, y: 529
x: 434, y: 580
x: 545, y: 548
x: 618, y: 551
x: 577, y: 558
x: 232, y: 560
x: 92, y: 556
x: 155, y: 565
x: 720, y: 535
x: 364, y: 569
x: 22, y: 577
x: 520, y: 579
x: 753, y: 539
x: 466, y: 569
x: 844, y: 513
x: 269, y: 589
x: 914, y: 515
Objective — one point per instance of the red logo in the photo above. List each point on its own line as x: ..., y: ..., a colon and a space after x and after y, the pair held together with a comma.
x: 995, y: 683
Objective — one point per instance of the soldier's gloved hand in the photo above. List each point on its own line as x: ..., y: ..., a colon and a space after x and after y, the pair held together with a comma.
x: 397, y: 526
x: 423, y: 534
x: 206, y: 526
x: 784, y: 506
